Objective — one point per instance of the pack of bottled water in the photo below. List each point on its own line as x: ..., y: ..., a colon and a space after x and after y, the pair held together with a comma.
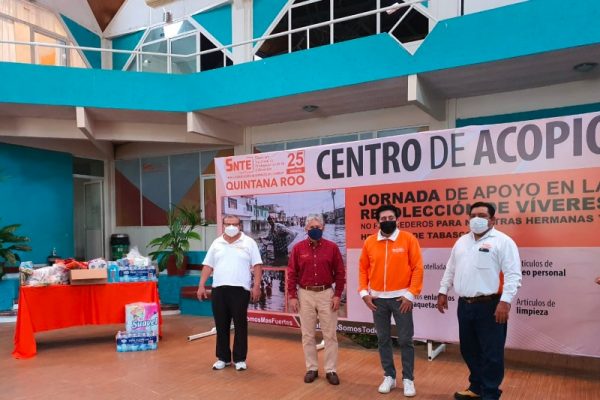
x: 136, y: 341
x: 127, y: 272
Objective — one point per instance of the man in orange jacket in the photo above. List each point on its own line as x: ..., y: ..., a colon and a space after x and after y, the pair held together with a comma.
x: 390, y: 277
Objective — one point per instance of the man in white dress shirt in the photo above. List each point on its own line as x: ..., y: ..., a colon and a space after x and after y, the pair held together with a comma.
x: 485, y: 270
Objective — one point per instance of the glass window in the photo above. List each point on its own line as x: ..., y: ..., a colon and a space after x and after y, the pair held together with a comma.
x: 366, y: 135
x: 339, y: 139
x: 183, y: 65
x: 185, y: 180
x: 88, y: 167
x: 209, y: 200
x: 127, y: 193
x: 133, y: 65
x: 207, y: 159
x: 14, y: 31
x: 264, y: 148
x: 302, y: 143
x: 155, y: 193
x: 49, y: 55
x: 155, y: 63
x: 396, y: 132
x: 169, y: 31
x: 75, y: 59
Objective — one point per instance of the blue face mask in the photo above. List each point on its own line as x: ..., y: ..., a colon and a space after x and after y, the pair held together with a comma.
x: 315, y: 233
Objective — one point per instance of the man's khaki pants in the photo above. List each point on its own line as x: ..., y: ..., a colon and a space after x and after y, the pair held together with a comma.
x: 313, y: 306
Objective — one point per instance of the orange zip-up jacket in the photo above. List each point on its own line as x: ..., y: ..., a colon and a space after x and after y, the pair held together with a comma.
x: 391, y: 265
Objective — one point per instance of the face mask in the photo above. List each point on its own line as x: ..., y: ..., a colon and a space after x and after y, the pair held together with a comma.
x: 231, y: 230
x: 387, y: 227
x: 478, y: 225
x: 315, y: 233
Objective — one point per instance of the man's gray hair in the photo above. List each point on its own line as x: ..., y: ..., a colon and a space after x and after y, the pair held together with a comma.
x: 314, y: 217
x: 229, y: 216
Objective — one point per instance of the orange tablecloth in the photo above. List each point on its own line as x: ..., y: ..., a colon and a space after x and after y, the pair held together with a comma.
x: 62, y: 306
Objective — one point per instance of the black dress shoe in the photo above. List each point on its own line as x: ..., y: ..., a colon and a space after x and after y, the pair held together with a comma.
x: 310, y: 376
x: 332, y: 378
x: 466, y: 395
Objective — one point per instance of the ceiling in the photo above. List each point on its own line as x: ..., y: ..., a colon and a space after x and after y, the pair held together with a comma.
x: 105, y: 10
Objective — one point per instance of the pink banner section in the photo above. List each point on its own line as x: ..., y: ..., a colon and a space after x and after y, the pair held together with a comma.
x: 543, y: 176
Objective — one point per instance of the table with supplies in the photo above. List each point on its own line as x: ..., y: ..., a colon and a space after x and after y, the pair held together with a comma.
x: 62, y: 306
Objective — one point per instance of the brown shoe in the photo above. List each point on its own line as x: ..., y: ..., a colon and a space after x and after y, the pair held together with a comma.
x: 310, y: 376
x: 332, y: 378
x: 466, y: 395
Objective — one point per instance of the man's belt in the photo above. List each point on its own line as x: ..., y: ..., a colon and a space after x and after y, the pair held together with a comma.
x: 480, y: 299
x: 316, y: 288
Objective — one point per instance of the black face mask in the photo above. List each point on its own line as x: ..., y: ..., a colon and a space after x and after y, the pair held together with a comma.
x: 315, y: 233
x: 387, y: 227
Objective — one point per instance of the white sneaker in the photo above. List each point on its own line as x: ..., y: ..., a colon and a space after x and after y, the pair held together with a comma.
x: 388, y: 384
x: 409, y: 388
x: 241, y: 366
x: 220, y: 364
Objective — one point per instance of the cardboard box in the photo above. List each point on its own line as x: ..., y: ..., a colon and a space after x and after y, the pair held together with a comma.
x: 141, y: 317
x: 88, y: 276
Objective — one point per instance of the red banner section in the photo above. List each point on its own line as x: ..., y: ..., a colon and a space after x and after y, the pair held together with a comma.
x: 535, y: 209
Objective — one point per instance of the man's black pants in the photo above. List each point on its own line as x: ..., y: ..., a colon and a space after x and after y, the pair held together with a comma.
x: 231, y: 303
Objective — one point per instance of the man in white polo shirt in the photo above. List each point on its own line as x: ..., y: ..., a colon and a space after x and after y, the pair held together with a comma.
x: 231, y: 258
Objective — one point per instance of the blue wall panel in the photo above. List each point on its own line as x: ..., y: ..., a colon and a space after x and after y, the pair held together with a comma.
x: 125, y: 42
x: 218, y: 22
x: 85, y: 38
x: 502, y: 33
x: 37, y: 192
x: 264, y: 13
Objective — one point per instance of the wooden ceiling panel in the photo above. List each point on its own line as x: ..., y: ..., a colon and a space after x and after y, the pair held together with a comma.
x: 105, y: 10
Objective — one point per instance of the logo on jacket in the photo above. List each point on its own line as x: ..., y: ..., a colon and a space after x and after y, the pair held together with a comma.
x: 398, y: 250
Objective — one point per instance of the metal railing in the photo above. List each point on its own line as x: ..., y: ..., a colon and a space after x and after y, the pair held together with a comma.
x: 408, y: 5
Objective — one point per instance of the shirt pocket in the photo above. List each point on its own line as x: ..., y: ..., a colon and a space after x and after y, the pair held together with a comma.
x: 485, y: 259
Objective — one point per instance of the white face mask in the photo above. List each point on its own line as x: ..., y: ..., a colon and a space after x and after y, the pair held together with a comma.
x: 231, y: 230
x: 478, y: 225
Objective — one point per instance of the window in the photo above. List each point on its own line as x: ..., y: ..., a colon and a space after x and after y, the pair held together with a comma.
x: 21, y: 21
x: 180, y: 42
x: 296, y: 144
x: 147, y: 188
x: 302, y: 13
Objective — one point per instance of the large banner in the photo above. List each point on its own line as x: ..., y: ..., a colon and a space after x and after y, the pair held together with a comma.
x: 543, y: 176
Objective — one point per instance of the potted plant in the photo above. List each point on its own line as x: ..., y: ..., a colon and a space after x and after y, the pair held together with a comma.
x: 170, y: 248
x: 10, y: 242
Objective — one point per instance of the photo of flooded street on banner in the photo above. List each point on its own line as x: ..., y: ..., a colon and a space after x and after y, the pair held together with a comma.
x: 276, y: 222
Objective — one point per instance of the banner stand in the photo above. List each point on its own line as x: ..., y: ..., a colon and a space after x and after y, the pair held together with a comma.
x: 434, y: 352
x: 213, y: 331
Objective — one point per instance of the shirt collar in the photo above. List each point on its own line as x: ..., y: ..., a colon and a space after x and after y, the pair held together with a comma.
x: 310, y: 243
x: 392, y: 237
x: 490, y: 233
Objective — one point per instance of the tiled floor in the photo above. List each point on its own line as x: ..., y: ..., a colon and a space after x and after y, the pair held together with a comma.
x: 81, y: 363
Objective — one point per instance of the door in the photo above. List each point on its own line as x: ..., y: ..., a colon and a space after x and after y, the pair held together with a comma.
x: 93, y: 217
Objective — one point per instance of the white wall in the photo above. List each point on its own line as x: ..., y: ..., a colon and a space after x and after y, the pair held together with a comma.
x: 444, y: 9
x: 554, y: 96
x: 367, y: 121
x: 473, y: 6
x: 80, y: 13
x: 135, y: 14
